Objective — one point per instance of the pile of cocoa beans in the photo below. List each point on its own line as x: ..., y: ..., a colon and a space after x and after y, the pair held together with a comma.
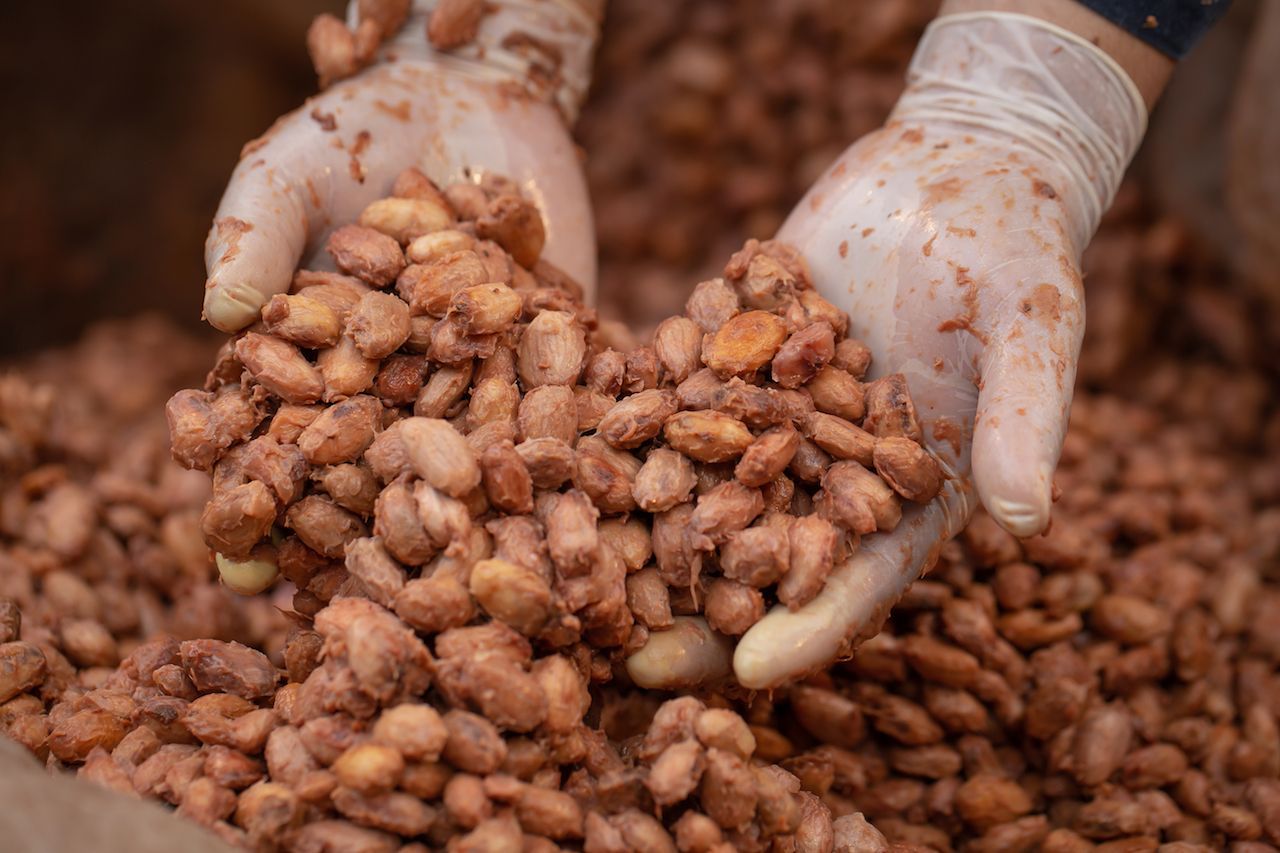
x: 1110, y: 685
x: 511, y: 463
x: 101, y: 550
x: 1018, y: 694
x: 100, y: 542
x: 298, y: 748
x: 371, y: 744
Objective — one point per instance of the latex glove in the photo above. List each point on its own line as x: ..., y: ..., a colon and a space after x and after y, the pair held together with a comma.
x: 471, y: 111
x: 953, y: 239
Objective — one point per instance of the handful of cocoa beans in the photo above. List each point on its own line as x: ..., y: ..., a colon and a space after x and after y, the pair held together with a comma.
x: 443, y: 427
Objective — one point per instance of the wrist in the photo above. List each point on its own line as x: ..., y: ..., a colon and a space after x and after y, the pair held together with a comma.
x: 542, y: 48
x: 1147, y: 67
x: 1035, y: 88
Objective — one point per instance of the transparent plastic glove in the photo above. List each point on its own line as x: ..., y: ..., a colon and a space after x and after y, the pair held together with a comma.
x: 479, y: 109
x: 952, y: 237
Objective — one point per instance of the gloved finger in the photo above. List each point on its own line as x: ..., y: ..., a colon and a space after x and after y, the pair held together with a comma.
x: 857, y: 598
x: 318, y: 165
x: 257, y: 237
x: 685, y: 655
x: 1028, y: 370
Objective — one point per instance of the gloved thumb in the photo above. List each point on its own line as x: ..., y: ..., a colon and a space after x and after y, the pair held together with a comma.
x: 686, y: 655
x: 1027, y: 373
x: 257, y: 238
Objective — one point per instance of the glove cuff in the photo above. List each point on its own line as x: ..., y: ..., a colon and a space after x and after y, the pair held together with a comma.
x: 1039, y: 86
x: 543, y: 48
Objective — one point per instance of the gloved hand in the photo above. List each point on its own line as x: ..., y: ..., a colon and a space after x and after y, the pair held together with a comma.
x: 501, y: 104
x: 952, y: 237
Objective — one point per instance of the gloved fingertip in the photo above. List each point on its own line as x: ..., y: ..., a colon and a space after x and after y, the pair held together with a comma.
x: 754, y: 663
x: 1019, y: 518
x: 230, y: 306
x: 1020, y: 502
x: 686, y: 655
x: 786, y: 643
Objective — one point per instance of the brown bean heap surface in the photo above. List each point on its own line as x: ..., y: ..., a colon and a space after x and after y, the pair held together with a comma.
x: 489, y: 434
x: 100, y: 542
x: 1111, y: 685
x: 1065, y: 691
x: 375, y: 741
x: 349, y: 733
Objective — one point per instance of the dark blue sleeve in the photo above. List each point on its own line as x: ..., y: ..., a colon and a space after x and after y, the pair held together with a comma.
x: 1170, y: 26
